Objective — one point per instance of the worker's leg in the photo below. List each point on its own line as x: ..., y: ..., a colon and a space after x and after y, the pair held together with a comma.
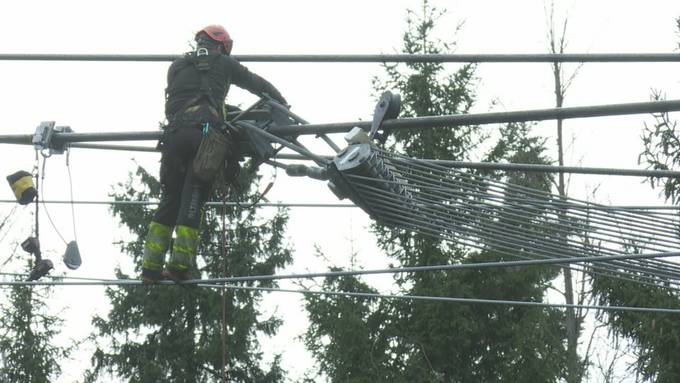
x: 187, y: 234
x: 172, y: 175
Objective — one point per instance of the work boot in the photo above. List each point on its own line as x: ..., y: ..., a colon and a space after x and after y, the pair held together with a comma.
x: 183, y: 253
x: 156, y: 245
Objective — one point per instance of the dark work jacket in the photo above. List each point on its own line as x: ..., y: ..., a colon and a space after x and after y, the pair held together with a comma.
x: 185, y: 83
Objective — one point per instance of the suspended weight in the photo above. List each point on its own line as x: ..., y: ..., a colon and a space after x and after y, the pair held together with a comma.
x: 22, y: 186
x: 71, y: 257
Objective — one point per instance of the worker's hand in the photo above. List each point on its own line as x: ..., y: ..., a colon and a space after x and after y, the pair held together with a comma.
x: 278, y: 98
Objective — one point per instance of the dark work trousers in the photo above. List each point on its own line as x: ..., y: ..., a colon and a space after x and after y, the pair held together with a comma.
x: 182, y: 194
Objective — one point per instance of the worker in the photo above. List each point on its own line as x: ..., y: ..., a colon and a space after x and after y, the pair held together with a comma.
x: 195, y: 95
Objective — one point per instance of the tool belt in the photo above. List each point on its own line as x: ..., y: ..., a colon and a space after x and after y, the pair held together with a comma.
x: 216, y: 147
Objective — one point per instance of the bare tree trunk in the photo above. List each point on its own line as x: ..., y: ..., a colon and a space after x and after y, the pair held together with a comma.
x: 572, y: 320
x: 573, y: 365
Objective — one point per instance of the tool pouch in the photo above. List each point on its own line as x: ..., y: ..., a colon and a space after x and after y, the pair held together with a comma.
x: 211, y: 154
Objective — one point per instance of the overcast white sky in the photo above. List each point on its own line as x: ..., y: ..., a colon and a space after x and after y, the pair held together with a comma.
x: 108, y: 97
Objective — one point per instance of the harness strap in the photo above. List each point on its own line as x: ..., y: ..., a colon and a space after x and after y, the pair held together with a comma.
x: 202, y: 62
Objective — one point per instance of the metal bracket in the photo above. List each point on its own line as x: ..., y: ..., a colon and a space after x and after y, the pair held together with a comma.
x: 388, y: 107
x: 43, y: 138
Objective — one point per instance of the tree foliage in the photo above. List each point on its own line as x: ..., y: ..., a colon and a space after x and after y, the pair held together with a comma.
x: 27, y: 349
x: 407, y: 341
x: 656, y: 337
x: 173, y: 333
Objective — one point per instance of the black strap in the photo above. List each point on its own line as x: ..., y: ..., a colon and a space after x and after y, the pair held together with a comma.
x: 203, y: 64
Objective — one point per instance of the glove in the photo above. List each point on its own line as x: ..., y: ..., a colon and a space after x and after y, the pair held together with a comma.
x: 278, y: 98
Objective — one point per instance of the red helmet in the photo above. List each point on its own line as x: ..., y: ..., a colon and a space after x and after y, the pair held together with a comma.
x: 218, y: 34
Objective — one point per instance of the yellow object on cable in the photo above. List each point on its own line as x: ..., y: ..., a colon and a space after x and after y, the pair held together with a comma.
x: 22, y: 186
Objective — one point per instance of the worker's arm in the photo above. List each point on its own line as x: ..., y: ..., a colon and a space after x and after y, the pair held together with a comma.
x: 243, y: 78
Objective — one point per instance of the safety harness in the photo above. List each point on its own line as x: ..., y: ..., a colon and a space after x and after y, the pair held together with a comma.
x: 203, y: 107
x: 207, y: 112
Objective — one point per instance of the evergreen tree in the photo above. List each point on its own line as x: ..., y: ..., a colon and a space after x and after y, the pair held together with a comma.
x: 27, y: 352
x: 656, y: 338
x: 406, y: 341
x: 172, y: 333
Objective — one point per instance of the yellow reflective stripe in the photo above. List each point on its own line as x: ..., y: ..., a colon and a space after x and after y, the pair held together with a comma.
x: 177, y: 248
x: 151, y: 264
x: 177, y: 265
x: 155, y: 246
x: 158, y: 229
x: 186, y: 232
x: 21, y: 185
x: 184, y: 247
x: 158, y: 239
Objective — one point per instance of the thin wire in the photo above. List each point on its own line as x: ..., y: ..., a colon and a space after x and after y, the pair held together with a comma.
x: 608, y: 271
x: 42, y: 197
x: 396, y: 210
x: 378, y: 296
x: 373, y: 58
x: 399, y: 215
x: 9, y: 229
x: 7, y: 217
x: 393, y: 270
x: 590, y: 217
x: 637, y: 229
x: 4, y: 222
x: 209, y: 204
x: 10, y: 256
x: 501, y: 188
x: 463, y: 300
x: 70, y: 188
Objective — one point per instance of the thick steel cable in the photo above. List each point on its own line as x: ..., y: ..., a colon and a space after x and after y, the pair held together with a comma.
x: 371, y: 58
x: 412, y: 123
x: 452, y: 121
x: 455, y: 164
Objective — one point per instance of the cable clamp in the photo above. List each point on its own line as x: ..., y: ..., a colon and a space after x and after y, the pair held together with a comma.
x: 44, y: 138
